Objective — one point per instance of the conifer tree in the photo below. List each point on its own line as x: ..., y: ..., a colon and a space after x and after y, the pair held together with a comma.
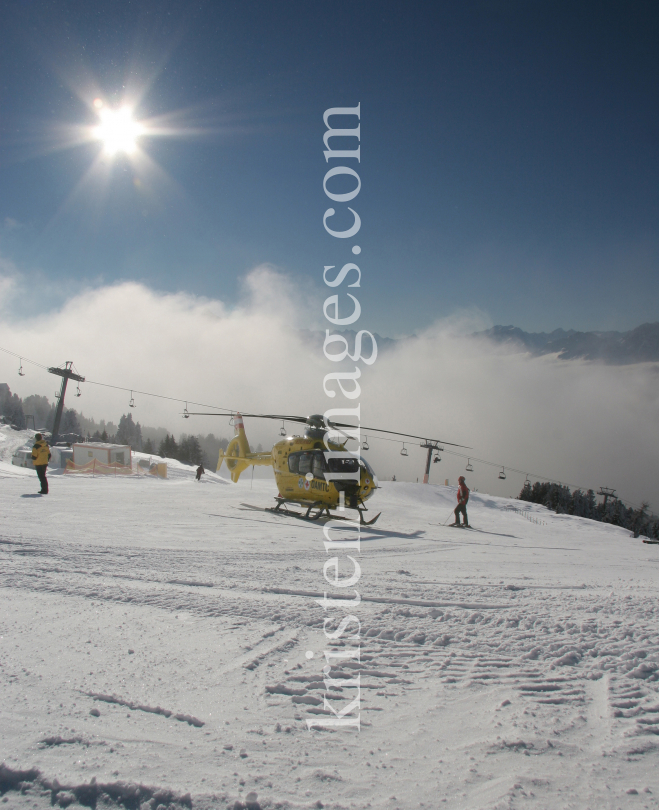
x: 70, y: 423
x: 11, y: 407
x: 41, y: 409
x: 129, y: 432
x: 168, y: 447
x: 190, y: 451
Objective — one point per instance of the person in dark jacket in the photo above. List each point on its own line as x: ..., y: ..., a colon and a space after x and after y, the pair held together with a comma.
x: 40, y: 459
x: 200, y: 471
x: 463, y: 497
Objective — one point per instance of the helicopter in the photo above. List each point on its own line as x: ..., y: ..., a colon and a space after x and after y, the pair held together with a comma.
x: 314, y: 471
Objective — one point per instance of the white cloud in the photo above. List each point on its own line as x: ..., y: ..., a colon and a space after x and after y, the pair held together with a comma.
x: 582, y: 423
x: 178, y: 345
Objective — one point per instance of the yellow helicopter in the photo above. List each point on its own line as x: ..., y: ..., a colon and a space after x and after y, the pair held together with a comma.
x: 313, y: 471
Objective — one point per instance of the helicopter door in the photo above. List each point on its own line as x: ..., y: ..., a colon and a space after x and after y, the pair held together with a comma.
x: 345, y: 465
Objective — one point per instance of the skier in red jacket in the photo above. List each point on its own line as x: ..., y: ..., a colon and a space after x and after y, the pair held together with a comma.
x: 463, y: 497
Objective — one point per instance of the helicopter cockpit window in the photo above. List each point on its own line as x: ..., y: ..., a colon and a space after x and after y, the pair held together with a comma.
x: 293, y: 462
x: 367, y: 466
x: 343, y: 465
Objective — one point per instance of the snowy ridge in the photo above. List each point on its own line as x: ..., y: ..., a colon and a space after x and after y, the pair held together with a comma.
x: 186, y: 718
x: 113, y: 794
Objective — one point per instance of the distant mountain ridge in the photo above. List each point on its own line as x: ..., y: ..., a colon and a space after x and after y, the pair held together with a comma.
x: 640, y: 345
x: 317, y: 338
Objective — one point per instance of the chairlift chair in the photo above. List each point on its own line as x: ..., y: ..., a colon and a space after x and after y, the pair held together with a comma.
x: 365, y: 445
x: 437, y: 459
x: 186, y: 415
x: 502, y: 474
x: 78, y: 391
x: 404, y: 452
x: 469, y: 467
x: 21, y: 373
x: 132, y: 404
x: 282, y: 429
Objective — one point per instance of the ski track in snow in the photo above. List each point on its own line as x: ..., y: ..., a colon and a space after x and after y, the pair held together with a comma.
x: 153, y: 640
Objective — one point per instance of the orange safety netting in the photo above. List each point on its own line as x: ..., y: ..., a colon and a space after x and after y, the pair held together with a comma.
x: 98, y: 468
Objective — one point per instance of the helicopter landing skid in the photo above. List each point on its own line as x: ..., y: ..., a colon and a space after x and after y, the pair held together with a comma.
x: 323, y: 511
x: 281, y: 509
x: 362, y: 522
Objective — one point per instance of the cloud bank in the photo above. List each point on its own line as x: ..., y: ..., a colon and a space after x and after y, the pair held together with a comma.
x: 582, y: 423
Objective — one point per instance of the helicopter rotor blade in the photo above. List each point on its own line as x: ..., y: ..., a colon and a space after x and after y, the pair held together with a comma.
x: 394, y: 433
x: 279, y: 417
x: 303, y: 420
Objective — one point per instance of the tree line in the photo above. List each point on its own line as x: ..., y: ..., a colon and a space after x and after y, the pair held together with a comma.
x: 562, y: 500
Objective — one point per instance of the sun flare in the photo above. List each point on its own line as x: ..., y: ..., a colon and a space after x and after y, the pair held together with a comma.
x: 118, y: 131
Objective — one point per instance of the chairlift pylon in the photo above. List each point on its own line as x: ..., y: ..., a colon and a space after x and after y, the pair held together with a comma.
x: 365, y: 445
x: 404, y: 452
x: 186, y: 415
x: 21, y: 373
x: 132, y: 404
x: 469, y: 467
x: 502, y: 474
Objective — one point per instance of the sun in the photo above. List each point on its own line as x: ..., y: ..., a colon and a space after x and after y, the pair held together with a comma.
x: 118, y: 131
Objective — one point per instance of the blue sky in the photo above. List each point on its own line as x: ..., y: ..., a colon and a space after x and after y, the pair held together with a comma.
x: 509, y: 153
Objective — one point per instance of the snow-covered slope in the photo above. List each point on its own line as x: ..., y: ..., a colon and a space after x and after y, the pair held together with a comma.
x: 156, y: 638
x: 12, y: 440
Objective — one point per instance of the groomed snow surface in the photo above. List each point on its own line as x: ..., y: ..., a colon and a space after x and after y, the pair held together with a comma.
x: 154, y: 640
